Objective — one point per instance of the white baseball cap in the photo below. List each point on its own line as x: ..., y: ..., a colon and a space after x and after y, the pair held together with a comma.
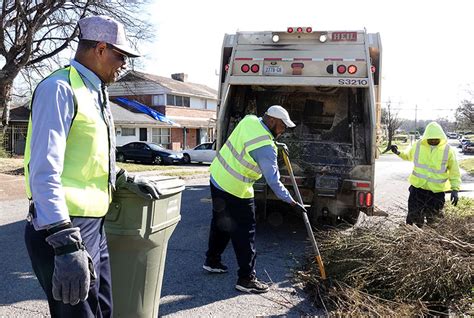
x: 276, y: 111
x: 101, y: 28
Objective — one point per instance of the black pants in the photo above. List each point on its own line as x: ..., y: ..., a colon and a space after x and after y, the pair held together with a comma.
x: 233, y: 219
x: 423, y: 203
x: 99, y: 301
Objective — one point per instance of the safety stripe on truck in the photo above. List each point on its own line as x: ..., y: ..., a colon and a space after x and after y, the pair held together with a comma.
x: 291, y: 59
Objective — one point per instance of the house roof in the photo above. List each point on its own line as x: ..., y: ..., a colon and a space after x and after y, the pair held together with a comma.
x: 120, y: 114
x: 174, y: 86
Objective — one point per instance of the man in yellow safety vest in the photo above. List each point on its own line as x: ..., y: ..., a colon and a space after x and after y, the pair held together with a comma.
x: 435, y: 171
x: 249, y: 152
x: 70, y: 173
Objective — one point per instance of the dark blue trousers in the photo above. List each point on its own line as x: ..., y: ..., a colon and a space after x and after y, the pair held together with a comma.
x: 233, y: 219
x: 99, y: 301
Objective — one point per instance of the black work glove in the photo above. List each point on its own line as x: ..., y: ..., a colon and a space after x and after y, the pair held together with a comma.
x: 454, y: 197
x: 298, y: 207
x: 73, y: 266
x: 282, y: 146
x: 136, y: 184
x: 394, y: 149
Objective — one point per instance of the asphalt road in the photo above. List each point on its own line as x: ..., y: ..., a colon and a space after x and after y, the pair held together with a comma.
x: 187, y: 290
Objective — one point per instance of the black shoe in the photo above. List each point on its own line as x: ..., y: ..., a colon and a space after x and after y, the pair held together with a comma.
x: 215, y: 267
x: 251, y: 285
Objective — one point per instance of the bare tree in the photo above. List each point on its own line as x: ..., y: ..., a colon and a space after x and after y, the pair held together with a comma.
x: 392, y: 122
x: 34, y: 32
x: 465, y: 115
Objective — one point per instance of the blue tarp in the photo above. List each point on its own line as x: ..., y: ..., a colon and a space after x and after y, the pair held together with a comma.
x: 142, y: 108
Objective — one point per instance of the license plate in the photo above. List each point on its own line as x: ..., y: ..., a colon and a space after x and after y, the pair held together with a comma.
x: 272, y: 70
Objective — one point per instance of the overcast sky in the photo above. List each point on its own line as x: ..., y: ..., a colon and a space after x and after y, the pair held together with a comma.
x: 427, y: 45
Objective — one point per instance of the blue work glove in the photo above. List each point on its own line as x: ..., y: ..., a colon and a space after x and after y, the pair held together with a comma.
x: 454, y: 197
x: 136, y: 184
x: 282, y: 146
x: 394, y: 149
x: 73, y: 267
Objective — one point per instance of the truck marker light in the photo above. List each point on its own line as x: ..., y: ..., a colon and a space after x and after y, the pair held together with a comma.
x: 255, y: 68
x: 290, y: 30
x: 372, y: 69
x: 245, y: 68
x: 309, y: 29
x: 299, y: 29
x: 330, y: 69
x: 275, y: 38
x: 352, y: 69
x: 226, y: 67
x: 341, y: 69
x: 323, y: 38
x: 368, y: 199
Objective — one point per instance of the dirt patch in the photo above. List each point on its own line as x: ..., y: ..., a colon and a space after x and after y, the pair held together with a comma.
x: 12, y: 187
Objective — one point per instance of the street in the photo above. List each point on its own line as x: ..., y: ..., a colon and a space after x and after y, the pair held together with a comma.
x: 187, y: 290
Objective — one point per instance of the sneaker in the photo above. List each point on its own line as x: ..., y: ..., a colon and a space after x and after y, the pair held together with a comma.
x: 251, y: 285
x: 215, y: 267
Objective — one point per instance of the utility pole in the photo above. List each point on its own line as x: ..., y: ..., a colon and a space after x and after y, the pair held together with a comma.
x: 416, y: 111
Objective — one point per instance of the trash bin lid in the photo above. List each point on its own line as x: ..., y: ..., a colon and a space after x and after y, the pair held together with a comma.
x: 166, y: 185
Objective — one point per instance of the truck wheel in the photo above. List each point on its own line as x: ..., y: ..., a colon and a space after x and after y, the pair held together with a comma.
x: 351, y: 216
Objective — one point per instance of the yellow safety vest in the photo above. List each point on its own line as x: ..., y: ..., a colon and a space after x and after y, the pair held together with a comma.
x: 85, y: 172
x: 233, y: 169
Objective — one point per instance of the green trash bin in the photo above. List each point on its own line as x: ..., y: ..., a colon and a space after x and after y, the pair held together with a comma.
x: 138, y: 231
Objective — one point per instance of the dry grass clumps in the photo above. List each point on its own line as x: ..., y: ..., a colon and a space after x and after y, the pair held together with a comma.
x: 397, y: 270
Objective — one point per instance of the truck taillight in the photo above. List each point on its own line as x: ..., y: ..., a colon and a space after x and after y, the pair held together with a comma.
x: 341, y: 69
x: 352, y: 69
x: 245, y: 68
x: 226, y: 67
x: 255, y: 68
x: 290, y: 30
x: 368, y: 199
x: 365, y: 199
x: 361, y: 198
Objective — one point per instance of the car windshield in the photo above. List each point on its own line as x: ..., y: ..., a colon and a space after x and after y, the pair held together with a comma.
x: 155, y: 147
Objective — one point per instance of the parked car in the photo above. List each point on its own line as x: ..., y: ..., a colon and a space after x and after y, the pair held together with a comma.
x: 205, y: 152
x: 147, y: 152
x: 452, y: 135
x: 468, y: 146
x: 465, y: 138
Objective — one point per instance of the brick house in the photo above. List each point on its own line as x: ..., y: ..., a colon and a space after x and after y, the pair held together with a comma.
x: 192, y: 107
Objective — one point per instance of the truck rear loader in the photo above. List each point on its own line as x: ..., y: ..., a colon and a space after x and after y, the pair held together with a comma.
x: 329, y: 81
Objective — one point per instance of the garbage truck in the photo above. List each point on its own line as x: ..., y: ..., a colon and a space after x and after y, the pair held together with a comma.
x: 329, y: 82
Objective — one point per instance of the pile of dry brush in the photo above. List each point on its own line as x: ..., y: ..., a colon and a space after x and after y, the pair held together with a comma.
x: 397, y: 271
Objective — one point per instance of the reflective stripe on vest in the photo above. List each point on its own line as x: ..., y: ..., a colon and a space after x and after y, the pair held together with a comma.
x: 444, y: 162
x: 85, y: 175
x: 240, y: 156
x: 229, y: 169
x: 421, y: 176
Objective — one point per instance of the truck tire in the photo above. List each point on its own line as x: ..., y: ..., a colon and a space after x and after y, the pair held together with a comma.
x: 351, y: 216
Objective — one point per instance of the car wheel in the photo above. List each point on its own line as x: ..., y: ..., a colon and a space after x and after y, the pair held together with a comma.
x: 157, y: 160
x: 186, y: 158
x: 120, y: 157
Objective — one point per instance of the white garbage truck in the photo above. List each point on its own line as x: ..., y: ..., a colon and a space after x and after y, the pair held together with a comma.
x: 329, y: 81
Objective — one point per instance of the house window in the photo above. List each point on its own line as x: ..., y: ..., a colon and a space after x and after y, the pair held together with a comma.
x: 158, y: 100
x: 175, y: 100
x: 161, y: 136
x: 128, y: 131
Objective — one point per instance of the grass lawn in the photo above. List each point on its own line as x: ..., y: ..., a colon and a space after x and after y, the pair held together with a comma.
x: 468, y: 165
x: 15, y: 166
